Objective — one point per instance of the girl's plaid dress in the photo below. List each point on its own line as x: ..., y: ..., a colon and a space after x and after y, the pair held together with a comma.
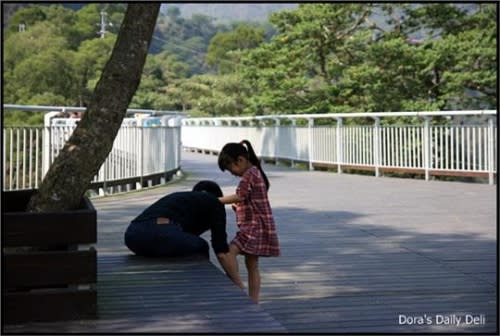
x: 257, y: 232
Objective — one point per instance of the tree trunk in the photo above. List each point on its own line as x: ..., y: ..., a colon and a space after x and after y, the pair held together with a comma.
x: 83, y: 154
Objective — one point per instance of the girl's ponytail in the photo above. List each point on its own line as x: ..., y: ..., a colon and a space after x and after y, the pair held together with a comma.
x: 255, y: 161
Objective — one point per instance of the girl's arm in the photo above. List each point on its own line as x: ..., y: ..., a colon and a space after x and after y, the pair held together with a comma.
x: 229, y: 199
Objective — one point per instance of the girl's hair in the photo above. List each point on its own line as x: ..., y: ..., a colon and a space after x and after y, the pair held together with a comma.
x: 231, y: 151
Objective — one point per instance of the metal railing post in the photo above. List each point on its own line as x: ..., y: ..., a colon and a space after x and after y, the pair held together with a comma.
x: 376, y: 146
x: 278, y: 139
x: 427, y: 148
x: 174, y: 133
x: 339, y: 140
x: 295, y: 155
x: 491, y: 154
x: 140, y: 162
x: 47, y: 142
x: 310, y: 125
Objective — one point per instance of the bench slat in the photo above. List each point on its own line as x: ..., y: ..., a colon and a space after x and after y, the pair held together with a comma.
x: 21, y: 228
x: 51, y: 305
x: 40, y: 268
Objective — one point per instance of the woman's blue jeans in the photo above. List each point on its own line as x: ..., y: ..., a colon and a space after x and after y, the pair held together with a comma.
x: 147, y: 238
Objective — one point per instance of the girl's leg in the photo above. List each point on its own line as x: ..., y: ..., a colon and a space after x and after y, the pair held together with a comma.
x: 252, y: 263
x: 230, y: 264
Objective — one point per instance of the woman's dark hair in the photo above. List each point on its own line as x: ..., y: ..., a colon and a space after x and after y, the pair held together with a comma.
x: 231, y: 151
x: 209, y: 187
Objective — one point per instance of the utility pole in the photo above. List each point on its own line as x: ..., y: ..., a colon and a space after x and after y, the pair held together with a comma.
x: 103, y: 23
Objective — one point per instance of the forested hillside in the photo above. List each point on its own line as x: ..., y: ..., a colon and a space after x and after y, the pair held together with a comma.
x: 230, y: 12
x: 219, y: 11
x: 316, y: 58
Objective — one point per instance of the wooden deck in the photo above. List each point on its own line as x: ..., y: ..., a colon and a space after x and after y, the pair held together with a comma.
x: 359, y: 254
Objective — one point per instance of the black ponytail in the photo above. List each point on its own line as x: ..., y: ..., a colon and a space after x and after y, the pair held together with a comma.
x: 255, y: 161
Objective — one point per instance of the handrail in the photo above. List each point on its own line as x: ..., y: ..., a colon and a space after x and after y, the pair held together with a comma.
x: 37, y: 108
x: 349, y: 115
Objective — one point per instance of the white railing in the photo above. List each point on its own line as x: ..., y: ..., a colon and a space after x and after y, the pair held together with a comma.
x: 22, y: 157
x: 446, y: 146
x: 140, y: 156
x: 143, y: 155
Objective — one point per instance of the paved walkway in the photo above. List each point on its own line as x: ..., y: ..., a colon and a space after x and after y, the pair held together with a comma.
x: 359, y: 254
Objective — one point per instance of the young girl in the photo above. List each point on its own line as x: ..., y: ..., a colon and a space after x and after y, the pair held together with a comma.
x: 257, y: 233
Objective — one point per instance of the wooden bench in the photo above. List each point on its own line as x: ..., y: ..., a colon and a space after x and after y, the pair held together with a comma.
x: 48, y: 274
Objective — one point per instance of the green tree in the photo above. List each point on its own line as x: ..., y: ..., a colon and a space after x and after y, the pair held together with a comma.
x: 390, y: 57
x: 35, y: 76
x: 223, y: 50
x: 186, y: 38
x: 39, y: 37
x: 451, y: 65
x: 160, y: 71
x: 58, y: 58
x: 294, y: 71
x: 209, y: 95
x: 27, y: 16
x: 221, y: 95
x: 63, y: 20
x: 470, y: 48
x: 88, y: 62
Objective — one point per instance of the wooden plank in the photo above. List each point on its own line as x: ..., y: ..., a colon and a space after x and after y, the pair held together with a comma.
x: 21, y: 228
x: 28, y: 231
x: 142, y: 288
x: 458, y: 173
x: 50, y: 305
x: 401, y: 170
x: 43, y: 268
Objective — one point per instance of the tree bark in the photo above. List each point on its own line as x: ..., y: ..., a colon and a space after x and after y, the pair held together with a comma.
x: 70, y: 174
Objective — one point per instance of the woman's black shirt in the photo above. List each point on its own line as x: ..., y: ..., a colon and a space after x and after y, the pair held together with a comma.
x: 196, y: 212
